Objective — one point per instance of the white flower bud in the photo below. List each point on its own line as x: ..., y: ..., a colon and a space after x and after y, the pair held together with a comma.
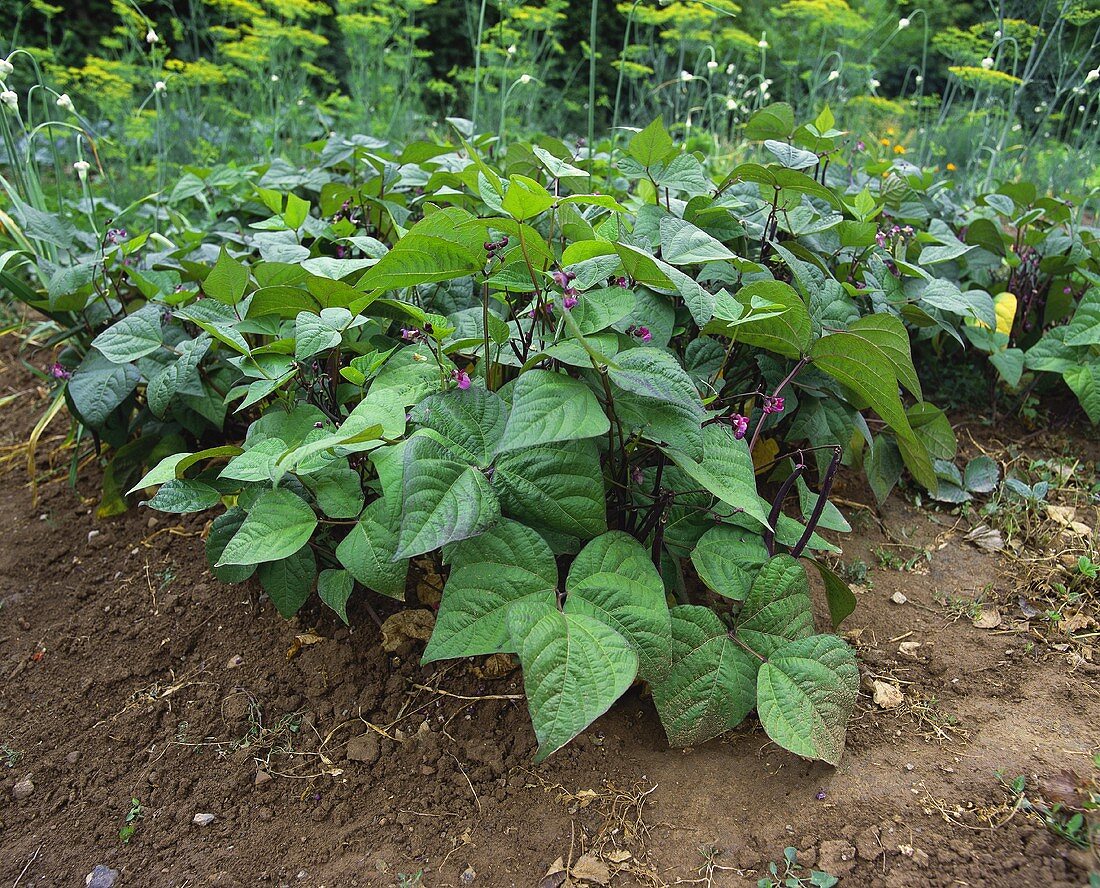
x: 730, y: 68
x: 1094, y: 74
x: 874, y: 84
x: 81, y: 167
x: 6, y: 67
x: 9, y: 98
x: 918, y: 80
x: 762, y: 43
x: 274, y: 78
x: 525, y: 78
x: 686, y: 77
x: 65, y: 103
x: 903, y: 23
x: 151, y: 37
x: 987, y: 62
x: 160, y: 86
x: 712, y: 65
x: 997, y: 35
x: 512, y: 50
x: 833, y: 75
x: 731, y: 103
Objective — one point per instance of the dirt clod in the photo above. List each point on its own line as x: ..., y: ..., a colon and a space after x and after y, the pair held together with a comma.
x: 836, y: 857
x: 23, y: 789
x: 365, y: 748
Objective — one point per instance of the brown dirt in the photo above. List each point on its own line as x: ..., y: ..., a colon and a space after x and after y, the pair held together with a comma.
x: 119, y: 681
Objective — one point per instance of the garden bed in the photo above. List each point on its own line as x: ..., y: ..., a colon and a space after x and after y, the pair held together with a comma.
x: 138, y: 693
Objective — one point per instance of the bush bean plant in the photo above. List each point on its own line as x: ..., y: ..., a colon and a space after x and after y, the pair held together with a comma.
x: 609, y: 391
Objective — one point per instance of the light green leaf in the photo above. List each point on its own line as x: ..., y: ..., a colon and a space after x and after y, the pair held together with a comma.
x: 558, y: 487
x: 651, y: 145
x: 135, y: 336
x: 726, y: 471
x: 1084, y: 380
x: 227, y: 280
x: 711, y: 685
x: 526, y: 198
x: 334, y: 588
x: 778, y: 608
x: 858, y: 363
x: 313, y: 334
x: 838, y: 594
x: 443, y: 245
x: 278, y: 525
x: 805, y: 695
x: 890, y: 335
x: 182, y: 495
x: 574, y: 668
x: 222, y: 530
x: 547, y: 407
x: 613, y: 580
x: 684, y: 244
x: 289, y: 581
x: 445, y: 498
x: 727, y: 558
x: 505, y: 565
x: 176, y: 376
x: 368, y: 551
x: 99, y: 386
x: 786, y: 330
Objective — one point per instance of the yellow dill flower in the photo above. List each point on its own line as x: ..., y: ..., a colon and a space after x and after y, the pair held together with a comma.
x: 885, y: 143
x: 951, y: 168
x: 899, y: 149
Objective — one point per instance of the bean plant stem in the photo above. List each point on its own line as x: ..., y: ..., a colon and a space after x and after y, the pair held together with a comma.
x: 778, y: 389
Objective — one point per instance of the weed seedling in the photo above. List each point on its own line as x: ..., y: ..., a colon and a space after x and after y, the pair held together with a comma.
x: 794, y: 875
x: 132, y: 817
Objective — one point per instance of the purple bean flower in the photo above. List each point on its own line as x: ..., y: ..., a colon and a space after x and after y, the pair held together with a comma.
x: 773, y: 405
x: 643, y: 334
x: 740, y: 425
x: 570, y: 302
x: 59, y: 372
x: 462, y: 378
x: 636, y: 475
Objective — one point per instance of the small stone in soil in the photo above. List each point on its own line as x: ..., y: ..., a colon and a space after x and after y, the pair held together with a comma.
x: 22, y: 789
x: 73, y: 757
x: 101, y: 877
x: 898, y: 598
x: 202, y: 819
x: 234, y: 662
x: 262, y: 777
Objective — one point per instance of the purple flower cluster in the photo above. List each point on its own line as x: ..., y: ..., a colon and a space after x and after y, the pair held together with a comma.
x: 411, y: 334
x: 115, y: 235
x: 888, y: 235
x: 739, y: 424
x: 59, y: 372
x: 773, y: 405
x: 641, y: 333
x: 564, y: 279
x: 462, y: 378
x: 347, y: 211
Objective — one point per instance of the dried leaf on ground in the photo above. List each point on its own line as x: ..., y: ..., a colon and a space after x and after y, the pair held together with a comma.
x: 988, y: 618
x: 407, y: 625
x: 985, y: 537
x: 886, y: 695
x: 301, y: 641
x: 589, y: 868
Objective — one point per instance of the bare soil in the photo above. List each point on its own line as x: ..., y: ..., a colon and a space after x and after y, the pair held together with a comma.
x: 128, y: 673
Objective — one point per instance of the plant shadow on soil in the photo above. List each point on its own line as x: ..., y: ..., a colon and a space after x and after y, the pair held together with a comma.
x: 127, y: 672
